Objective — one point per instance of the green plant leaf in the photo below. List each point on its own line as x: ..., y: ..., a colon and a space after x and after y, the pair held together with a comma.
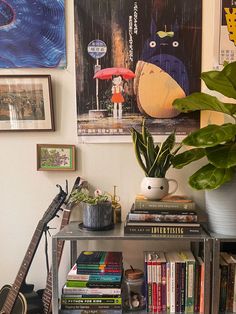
x: 211, y: 135
x: 185, y: 158
x: 210, y: 177
x: 202, y: 101
x: 150, y: 150
x: 169, y: 142
x: 137, y: 151
x: 221, y: 81
x: 222, y: 156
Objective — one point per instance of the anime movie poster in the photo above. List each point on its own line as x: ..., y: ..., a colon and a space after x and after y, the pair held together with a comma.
x: 228, y: 31
x: 133, y: 58
x: 32, y: 34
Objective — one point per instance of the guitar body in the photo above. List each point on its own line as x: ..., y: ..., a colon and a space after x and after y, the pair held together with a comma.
x: 27, y: 302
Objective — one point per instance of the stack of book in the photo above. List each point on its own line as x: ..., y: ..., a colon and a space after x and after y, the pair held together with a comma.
x: 227, y: 283
x: 173, y: 216
x: 94, y: 283
x: 174, y: 282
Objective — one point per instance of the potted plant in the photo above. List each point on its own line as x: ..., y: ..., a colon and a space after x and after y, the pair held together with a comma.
x: 97, y: 209
x: 217, y: 143
x: 155, y: 160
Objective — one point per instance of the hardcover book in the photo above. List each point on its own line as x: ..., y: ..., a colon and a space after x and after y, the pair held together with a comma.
x: 179, y: 204
x: 100, y: 258
x: 153, y: 217
x: 162, y: 230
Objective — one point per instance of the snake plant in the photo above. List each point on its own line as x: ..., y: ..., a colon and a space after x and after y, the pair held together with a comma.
x: 215, y: 142
x: 155, y: 160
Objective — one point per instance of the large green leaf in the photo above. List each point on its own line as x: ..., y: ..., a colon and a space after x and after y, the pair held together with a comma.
x: 230, y: 72
x: 222, y: 81
x: 222, y: 156
x: 210, y: 177
x: 185, y: 158
x: 211, y: 135
x: 202, y: 101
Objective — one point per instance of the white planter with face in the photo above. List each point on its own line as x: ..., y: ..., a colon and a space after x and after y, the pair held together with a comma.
x: 157, y: 188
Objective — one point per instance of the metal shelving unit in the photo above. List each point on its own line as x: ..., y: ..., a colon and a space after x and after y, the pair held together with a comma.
x: 73, y: 234
x: 217, y: 241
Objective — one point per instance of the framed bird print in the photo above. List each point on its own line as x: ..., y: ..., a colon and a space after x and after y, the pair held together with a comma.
x: 133, y: 58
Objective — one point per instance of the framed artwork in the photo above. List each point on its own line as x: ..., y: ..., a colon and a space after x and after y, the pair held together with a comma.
x: 133, y: 58
x: 227, y: 45
x: 32, y: 34
x: 55, y: 157
x: 26, y: 103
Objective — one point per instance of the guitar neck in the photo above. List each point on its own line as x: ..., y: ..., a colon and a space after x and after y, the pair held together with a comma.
x: 23, y: 271
x: 47, y: 293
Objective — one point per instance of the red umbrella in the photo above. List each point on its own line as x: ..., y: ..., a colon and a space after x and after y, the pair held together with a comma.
x: 107, y: 73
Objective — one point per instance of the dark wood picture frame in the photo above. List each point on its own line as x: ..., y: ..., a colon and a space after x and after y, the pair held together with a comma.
x: 26, y: 103
x: 54, y: 157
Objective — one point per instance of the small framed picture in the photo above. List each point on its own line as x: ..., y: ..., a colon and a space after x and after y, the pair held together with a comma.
x: 26, y: 103
x: 55, y: 157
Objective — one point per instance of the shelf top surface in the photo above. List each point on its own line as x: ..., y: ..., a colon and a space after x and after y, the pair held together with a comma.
x: 73, y: 232
x: 223, y: 237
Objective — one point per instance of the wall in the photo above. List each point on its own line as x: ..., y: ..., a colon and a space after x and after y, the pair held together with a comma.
x: 25, y: 193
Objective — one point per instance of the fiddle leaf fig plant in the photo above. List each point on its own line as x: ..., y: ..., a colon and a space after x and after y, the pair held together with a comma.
x: 217, y: 143
x: 154, y: 160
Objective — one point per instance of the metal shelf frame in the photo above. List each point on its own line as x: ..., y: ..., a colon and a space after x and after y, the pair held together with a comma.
x: 217, y: 239
x: 73, y: 234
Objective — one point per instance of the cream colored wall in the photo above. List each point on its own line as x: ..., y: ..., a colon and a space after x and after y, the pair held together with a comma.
x: 25, y: 193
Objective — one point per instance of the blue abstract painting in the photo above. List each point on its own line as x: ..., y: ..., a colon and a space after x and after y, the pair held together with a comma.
x: 32, y: 34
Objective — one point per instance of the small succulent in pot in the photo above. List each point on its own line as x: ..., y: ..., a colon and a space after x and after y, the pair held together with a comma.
x: 155, y: 161
x: 97, y: 209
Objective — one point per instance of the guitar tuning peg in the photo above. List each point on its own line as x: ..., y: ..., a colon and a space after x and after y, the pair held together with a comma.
x: 57, y: 216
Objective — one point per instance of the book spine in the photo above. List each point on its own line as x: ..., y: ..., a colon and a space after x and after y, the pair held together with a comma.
x: 154, y: 286
x: 172, y: 287
x: 90, y: 307
x: 92, y: 311
x: 177, y: 286
x: 99, y: 271
x: 163, y: 287
x: 99, y: 291
x: 168, y: 287
x: 197, y: 287
x: 164, y: 212
x: 149, y: 283
x: 182, y: 287
x: 139, y: 204
x: 89, y: 284
x: 100, y: 278
x: 201, y: 306
x: 223, y: 288
x: 161, y: 218
x: 169, y: 230
x: 230, y: 292
x: 92, y: 301
x: 159, y: 292
x: 190, y: 274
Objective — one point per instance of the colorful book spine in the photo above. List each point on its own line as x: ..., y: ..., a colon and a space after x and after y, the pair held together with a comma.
x: 190, y: 276
x: 159, y: 292
x: 148, y: 204
x: 163, y: 212
x: 201, y: 306
x: 223, y: 287
x: 154, y: 283
x: 163, y: 287
x: 92, y: 284
x: 168, y: 286
x: 98, y: 291
x: 182, y: 287
x: 148, y: 266
x: 90, y: 301
x: 90, y: 307
x: 92, y: 311
x: 172, y: 286
x: 163, y: 230
x: 161, y: 218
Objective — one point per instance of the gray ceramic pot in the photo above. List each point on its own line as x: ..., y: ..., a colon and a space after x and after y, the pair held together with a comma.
x: 99, y: 216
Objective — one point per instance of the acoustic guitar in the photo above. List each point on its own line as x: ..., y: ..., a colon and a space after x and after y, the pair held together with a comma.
x: 67, y: 207
x: 20, y: 297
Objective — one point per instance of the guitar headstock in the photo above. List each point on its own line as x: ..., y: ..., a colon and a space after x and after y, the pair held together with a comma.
x: 55, y: 206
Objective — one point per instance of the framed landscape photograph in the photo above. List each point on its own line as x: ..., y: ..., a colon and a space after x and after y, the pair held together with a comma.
x: 26, y: 103
x: 55, y: 157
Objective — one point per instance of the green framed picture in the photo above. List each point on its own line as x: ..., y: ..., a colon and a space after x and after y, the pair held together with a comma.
x: 55, y: 157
